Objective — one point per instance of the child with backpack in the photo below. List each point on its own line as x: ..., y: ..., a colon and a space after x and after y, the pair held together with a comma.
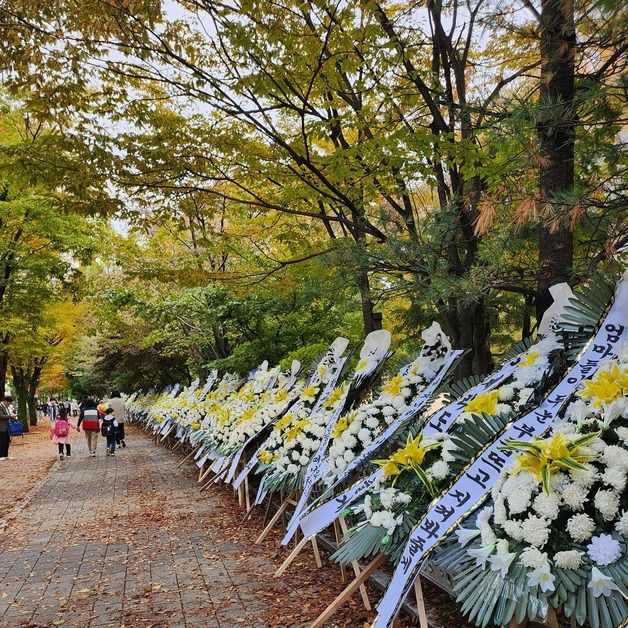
x: 108, y: 428
x: 61, y: 433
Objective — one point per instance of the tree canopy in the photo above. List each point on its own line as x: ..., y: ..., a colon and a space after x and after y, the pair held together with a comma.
x: 293, y: 170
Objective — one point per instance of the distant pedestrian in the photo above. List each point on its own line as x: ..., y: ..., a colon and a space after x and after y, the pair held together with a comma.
x: 88, y: 417
x: 61, y: 433
x: 108, y: 429
x: 115, y: 402
x: 45, y: 408
x: 53, y: 409
x: 7, y: 413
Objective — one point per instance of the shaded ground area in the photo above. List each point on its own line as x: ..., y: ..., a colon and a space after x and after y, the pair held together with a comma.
x: 31, y: 458
x: 130, y: 541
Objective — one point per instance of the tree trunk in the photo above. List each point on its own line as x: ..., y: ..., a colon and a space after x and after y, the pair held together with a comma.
x: 556, y: 130
x: 21, y: 392
x: 368, y: 314
x: 469, y: 328
x: 33, y: 383
x: 4, y: 365
x: 223, y: 350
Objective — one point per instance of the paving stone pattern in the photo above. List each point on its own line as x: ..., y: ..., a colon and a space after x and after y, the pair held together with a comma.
x: 130, y: 541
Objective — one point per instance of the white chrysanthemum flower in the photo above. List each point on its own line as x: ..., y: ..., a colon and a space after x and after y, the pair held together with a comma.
x: 585, y: 478
x: 578, y: 411
x: 547, y: 505
x: 439, y: 470
x: 580, y: 527
x: 506, y: 393
x: 519, y: 500
x: 387, y: 497
x: 622, y: 434
x: 365, y: 436
x: 372, y: 422
x: 349, y: 456
x: 501, y: 514
x: 389, y: 411
x: 513, y: 529
x: 615, y: 477
x: 349, y: 440
x: 574, y: 496
x: 403, y: 498
x: 532, y: 558
x: 616, y: 456
x: 604, y: 549
x: 292, y: 468
x: 536, y: 530
x: 566, y: 427
x: 622, y: 525
x: 570, y: 559
x: 607, y: 502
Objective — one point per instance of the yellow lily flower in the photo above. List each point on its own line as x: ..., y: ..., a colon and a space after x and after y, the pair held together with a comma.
x: 394, y: 386
x: 606, y: 385
x: 265, y: 456
x: 485, y: 403
x: 530, y: 359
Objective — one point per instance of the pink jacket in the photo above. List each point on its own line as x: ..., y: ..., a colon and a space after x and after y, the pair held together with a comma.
x: 63, y: 440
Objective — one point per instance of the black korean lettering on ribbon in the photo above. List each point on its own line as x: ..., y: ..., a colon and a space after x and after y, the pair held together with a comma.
x: 491, y: 382
x: 494, y: 460
x: 416, y: 544
x: 614, y: 332
x: 556, y: 400
x: 341, y: 500
x: 589, y: 366
x: 543, y: 416
x: 524, y: 429
x: 444, y: 511
x: 430, y: 528
x: 440, y: 420
x: 481, y: 478
x: 461, y: 497
x: 603, y: 350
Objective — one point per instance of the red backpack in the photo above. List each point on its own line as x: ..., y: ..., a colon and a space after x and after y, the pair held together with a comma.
x: 61, y: 428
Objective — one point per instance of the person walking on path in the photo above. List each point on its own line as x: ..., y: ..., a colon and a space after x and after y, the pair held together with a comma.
x: 109, y: 426
x: 88, y: 417
x: 117, y: 405
x: 6, y: 414
x: 54, y: 409
x: 60, y: 431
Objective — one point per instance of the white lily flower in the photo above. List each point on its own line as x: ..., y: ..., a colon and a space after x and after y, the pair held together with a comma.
x: 543, y: 577
x: 501, y: 562
x: 481, y: 555
x: 601, y: 584
x: 466, y: 535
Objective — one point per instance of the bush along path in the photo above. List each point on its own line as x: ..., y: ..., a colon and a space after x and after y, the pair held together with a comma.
x: 130, y: 541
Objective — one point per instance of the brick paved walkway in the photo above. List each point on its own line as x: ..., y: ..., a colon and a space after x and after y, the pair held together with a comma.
x: 130, y: 541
